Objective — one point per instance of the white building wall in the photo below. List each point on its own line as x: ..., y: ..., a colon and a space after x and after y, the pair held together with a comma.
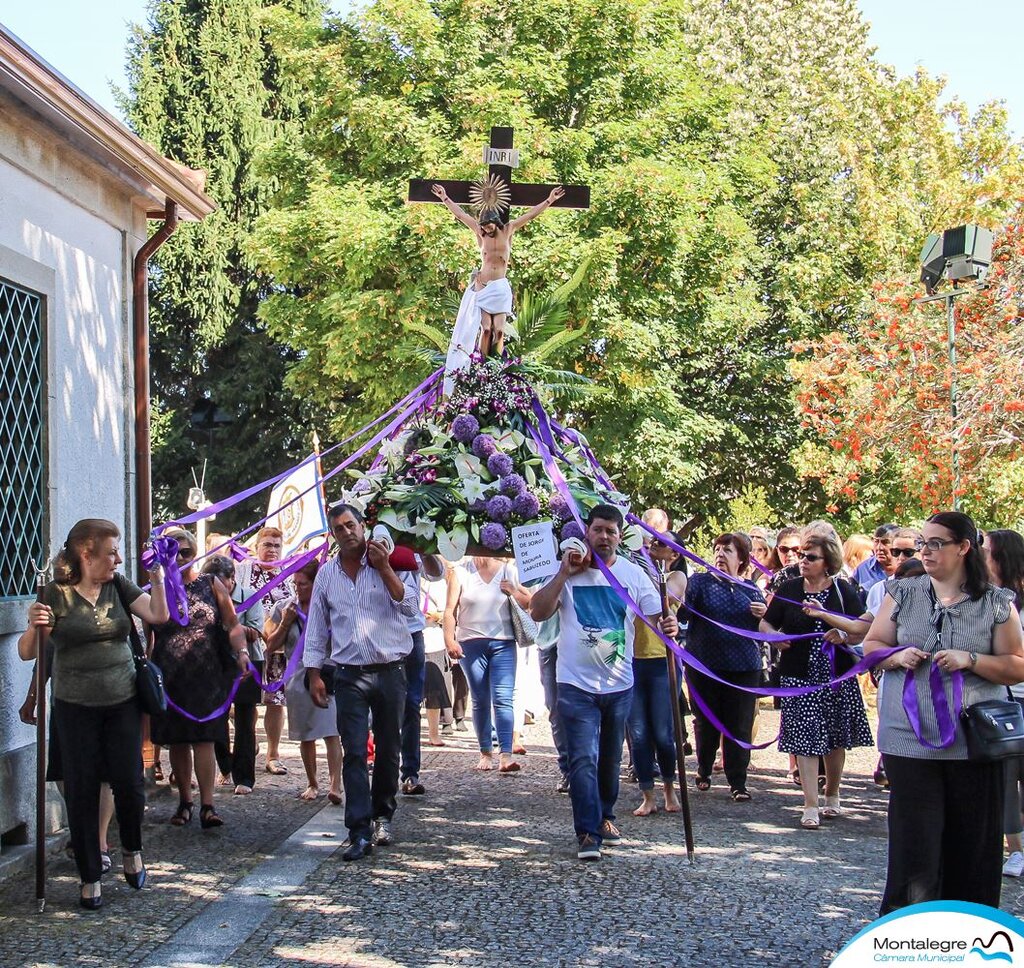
x: 67, y: 232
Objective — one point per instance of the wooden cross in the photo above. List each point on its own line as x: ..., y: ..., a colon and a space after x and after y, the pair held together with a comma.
x: 501, y: 158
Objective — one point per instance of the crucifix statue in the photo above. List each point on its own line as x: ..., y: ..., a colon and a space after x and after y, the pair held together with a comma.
x: 488, y: 299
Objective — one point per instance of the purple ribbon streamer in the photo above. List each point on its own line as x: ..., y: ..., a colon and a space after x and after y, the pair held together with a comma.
x: 164, y: 551
x: 229, y: 502
x: 283, y: 575
x: 720, y: 726
x: 943, y: 717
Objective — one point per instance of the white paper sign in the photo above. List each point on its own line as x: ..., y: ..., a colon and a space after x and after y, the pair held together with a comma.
x: 502, y: 156
x: 534, y: 547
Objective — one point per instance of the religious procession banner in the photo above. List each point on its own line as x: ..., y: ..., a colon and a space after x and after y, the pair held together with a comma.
x: 296, y: 506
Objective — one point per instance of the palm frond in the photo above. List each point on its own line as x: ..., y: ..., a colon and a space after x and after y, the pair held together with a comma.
x: 436, y: 336
x: 428, y: 497
x: 556, y: 342
x: 418, y: 351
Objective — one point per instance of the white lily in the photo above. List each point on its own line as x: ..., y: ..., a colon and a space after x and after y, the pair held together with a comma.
x: 424, y: 528
x: 473, y: 489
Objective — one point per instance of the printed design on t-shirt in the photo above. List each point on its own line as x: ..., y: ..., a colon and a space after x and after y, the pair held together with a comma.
x: 602, y: 617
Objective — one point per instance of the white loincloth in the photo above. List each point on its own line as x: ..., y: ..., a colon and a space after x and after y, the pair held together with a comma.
x: 495, y: 297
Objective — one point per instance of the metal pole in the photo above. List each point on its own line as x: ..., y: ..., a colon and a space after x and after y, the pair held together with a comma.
x: 951, y: 345
x: 42, y: 575
x: 677, y: 723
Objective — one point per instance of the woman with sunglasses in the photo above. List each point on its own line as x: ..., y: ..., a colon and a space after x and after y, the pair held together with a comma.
x: 191, y: 658
x: 945, y: 811
x: 827, y: 722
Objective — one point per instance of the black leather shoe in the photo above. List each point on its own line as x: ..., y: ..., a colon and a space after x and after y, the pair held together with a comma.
x: 136, y: 879
x: 91, y: 903
x: 359, y: 848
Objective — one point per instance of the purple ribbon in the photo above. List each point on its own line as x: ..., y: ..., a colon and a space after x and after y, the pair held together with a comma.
x: 720, y: 726
x: 297, y: 563
x: 164, y: 551
x: 945, y: 719
x: 422, y: 392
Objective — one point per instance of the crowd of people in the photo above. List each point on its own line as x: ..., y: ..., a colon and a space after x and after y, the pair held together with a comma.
x: 351, y: 648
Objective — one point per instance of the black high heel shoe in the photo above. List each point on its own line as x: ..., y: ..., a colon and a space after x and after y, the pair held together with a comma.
x: 91, y: 902
x: 136, y: 879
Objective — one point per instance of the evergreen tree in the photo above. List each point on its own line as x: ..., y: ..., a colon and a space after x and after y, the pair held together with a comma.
x: 207, y: 91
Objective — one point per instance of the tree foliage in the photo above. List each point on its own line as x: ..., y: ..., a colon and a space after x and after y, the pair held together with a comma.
x: 206, y: 90
x: 878, y: 399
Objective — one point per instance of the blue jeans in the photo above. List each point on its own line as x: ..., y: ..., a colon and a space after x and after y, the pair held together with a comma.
x: 650, y: 722
x: 415, y: 678
x: 548, y: 659
x: 490, y: 667
x: 595, y: 725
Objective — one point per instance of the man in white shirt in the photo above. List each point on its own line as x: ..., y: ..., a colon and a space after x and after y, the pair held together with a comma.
x: 359, y: 611
x: 595, y: 669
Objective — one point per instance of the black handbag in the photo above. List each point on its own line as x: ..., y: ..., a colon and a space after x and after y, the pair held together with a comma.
x: 994, y: 729
x: 149, y: 680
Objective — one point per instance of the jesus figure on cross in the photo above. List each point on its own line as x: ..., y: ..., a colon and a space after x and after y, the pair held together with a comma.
x: 488, y: 300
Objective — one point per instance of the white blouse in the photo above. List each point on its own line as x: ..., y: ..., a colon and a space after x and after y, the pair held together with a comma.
x: 483, y: 611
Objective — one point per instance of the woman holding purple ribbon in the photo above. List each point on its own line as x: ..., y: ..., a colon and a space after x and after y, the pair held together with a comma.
x: 945, y: 810
x: 191, y: 658
x: 720, y: 711
x: 829, y: 721
x: 307, y: 722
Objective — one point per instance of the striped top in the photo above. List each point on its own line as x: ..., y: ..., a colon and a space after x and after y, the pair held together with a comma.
x: 967, y: 625
x: 365, y: 624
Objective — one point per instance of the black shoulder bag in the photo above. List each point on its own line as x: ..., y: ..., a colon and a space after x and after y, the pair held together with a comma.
x: 149, y: 680
x: 993, y: 728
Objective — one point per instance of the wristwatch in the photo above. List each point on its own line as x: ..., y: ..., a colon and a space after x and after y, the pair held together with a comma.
x: 974, y: 659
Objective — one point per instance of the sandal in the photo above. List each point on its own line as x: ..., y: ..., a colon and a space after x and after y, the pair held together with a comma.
x: 183, y: 814
x: 809, y: 820
x: 275, y: 767
x: 208, y: 817
x: 831, y: 809
x: 158, y: 773
x: 105, y: 862
x: 740, y: 795
x: 703, y: 782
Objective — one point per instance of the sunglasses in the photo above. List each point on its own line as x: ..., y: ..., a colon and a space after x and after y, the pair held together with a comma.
x: 804, y: 556
x: 785, y: 550
x: 903, y: 552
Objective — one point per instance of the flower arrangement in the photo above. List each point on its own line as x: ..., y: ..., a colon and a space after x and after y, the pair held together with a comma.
x: 467, y: 472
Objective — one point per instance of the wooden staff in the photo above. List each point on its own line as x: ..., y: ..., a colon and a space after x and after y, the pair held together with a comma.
x: 677, y: 722
x: 42, y: 576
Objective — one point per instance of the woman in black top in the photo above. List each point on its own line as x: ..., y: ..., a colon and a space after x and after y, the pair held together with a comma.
x: 829, y: 721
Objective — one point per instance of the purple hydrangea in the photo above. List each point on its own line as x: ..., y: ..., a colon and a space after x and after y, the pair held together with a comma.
x: 500, y: 465
x: 512, y: 485
x: 559, y: 506
x: 465, y: 427
x: 526, y: 505
x: 484, y: 446
x: 493, y: 536
x: 572, y: 530
x: 499, y: 508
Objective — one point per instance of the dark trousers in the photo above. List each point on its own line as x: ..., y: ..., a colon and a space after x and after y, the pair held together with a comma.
x: 460, y: 687
x: 101, y: 741
x: 735, y: 710
x: 548, y: 659
x: 415, y: 678
x: 239, y: 761
x: 945, y: 831
x: 595, y: 725
x: 361, y: 693
x: 651, y: 725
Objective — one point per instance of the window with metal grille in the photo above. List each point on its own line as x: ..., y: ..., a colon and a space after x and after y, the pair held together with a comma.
x: 21, y: 439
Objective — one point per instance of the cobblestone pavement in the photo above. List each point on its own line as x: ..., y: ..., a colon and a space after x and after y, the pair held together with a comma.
x: 483, y: 873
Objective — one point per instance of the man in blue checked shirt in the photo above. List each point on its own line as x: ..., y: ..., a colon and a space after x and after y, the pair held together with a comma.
x: 360, y: 610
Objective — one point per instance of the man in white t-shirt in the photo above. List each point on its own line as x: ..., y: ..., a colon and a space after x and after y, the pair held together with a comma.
x: 595, y: 669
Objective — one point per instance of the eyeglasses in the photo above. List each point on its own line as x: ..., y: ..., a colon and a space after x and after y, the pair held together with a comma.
x: 937, y: 544
x: 804, y: 556
x: 784, y: 550
x: 904, y: 552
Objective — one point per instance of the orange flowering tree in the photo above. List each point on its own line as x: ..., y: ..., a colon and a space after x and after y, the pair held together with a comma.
x: 877, y: 399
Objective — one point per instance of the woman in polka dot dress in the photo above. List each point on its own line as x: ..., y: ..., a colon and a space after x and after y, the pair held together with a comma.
x: 830, y: 721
